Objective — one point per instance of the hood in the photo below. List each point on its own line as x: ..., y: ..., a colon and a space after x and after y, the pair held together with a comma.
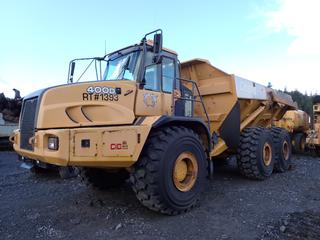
x: 86, y: 104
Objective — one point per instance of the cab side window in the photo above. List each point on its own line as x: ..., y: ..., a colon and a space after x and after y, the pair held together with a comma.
x: 151, y: 78
x: 151, y: 74
x: 167, y: 74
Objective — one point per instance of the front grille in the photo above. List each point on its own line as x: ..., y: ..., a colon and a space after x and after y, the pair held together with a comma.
x: 27, y: 122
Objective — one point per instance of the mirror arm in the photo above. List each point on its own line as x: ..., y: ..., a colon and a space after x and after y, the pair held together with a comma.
x: 71, y: 71
x: 142, y: 83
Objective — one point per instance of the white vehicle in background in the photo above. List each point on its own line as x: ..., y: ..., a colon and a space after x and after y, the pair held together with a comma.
x: 6, y: 129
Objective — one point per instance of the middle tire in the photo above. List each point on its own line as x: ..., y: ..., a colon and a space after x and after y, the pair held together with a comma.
x: 255, y: 156
x: 283, y: 148
x: 171, y: 171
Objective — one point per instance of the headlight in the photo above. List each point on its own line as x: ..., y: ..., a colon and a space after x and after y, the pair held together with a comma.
x: 53, y: 143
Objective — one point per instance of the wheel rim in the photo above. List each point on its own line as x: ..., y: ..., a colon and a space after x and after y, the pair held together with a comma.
x: 285, y: 150
x: 185, y: 171
x: 267, y: 154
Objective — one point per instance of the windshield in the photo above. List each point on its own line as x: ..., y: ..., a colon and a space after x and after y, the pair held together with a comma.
x: 117, y: 66
x: 122, y: 66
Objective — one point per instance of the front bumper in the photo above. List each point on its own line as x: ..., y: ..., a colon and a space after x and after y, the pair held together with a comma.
x: 87, y: 147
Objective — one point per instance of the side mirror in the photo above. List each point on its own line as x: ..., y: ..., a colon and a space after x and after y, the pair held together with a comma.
x: 157, y: 43
x: 72, y: 67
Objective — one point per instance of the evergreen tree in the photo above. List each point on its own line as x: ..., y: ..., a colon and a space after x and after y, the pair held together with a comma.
x: 304, y: 101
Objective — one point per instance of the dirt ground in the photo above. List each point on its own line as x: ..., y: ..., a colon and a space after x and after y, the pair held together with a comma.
x: 286, y: 206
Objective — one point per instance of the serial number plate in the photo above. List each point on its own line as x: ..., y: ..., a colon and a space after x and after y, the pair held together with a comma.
x: 99, y: 97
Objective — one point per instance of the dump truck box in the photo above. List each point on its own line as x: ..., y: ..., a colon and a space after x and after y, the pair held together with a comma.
x: 233, y: 103
x: 295, y: 121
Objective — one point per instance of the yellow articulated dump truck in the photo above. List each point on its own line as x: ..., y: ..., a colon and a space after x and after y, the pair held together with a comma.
x: 313, y: 139
x: 145, y: 116
x: 296, y: 122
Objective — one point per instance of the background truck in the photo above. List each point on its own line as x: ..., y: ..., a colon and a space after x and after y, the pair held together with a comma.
x: 145, y: 116
x: 297, y: 123
x: 9, y: 118
x: 6, y: 129
x: 313, y: 139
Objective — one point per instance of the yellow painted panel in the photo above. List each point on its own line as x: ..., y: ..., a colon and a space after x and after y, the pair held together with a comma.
x: 73, y: 106
x: 119, y: 143
x: 148, y: 103
x: 89, y: 151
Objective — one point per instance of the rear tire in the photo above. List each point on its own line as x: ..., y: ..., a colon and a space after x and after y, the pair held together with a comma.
x: 255, y: 155
x: 103, y: 179
x: 171, y: 171
x: 283, y: 148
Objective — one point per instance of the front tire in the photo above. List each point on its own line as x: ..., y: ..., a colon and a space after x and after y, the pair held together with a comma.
x: 171, y: 171
x: 255, y: 155
x: 68, y: 172
x: 103, y: 179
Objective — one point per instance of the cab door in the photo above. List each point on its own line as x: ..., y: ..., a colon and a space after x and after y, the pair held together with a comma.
x: 167, y: 83
x: 149, y: 99
x: 156, y: 97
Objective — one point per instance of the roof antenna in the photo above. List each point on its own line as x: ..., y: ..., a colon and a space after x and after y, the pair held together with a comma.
x: 105, y: 47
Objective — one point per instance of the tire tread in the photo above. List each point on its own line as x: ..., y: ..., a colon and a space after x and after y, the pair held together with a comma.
x: 246, y: 155
x: 144, y: 177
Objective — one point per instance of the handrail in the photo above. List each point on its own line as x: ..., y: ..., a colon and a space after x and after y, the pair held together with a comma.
x: 194, y: 86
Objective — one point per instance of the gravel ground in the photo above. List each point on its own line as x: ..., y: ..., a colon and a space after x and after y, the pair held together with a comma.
x: 286, y: 206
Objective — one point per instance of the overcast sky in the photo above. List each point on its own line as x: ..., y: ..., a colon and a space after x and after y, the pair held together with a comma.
x: 275, y: 41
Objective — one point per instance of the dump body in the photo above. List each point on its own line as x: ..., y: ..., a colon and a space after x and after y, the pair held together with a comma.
x: 294, y: 121
x: 233, y: 103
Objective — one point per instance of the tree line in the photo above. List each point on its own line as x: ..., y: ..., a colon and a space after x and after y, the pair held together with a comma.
x: 304, y: 101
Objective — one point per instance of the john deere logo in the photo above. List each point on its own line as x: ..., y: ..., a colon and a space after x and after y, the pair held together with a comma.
x: 150, y: 100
